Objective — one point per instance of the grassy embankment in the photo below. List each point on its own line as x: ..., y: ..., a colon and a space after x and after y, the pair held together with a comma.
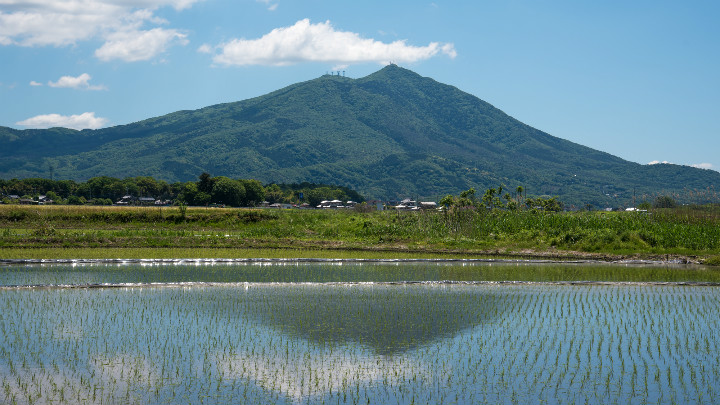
x: 115, y: 232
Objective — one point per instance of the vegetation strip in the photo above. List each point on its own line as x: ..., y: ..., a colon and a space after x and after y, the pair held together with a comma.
x: 317, y: 260
x: 44, y: 232
x: 358, y: 283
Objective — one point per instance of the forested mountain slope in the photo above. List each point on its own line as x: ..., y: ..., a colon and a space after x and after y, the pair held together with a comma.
x: 388, y: 135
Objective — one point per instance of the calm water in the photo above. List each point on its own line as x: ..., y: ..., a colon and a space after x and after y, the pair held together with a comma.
x: 318, y: 333
x: 344, y: 272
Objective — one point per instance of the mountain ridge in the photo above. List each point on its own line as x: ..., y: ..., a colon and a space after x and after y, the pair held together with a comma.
x: 390, y: 134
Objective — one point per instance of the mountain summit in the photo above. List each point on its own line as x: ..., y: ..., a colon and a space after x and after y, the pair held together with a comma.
x: 391, y: 134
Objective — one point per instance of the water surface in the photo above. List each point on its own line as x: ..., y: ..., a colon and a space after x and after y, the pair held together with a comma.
x: 358, y: 333
x: 285, y: 271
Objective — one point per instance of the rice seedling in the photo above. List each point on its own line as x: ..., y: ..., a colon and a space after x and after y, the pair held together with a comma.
x: 351, y: 334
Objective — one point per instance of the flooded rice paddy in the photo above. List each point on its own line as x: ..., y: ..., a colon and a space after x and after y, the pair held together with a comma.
x: 358, y: 333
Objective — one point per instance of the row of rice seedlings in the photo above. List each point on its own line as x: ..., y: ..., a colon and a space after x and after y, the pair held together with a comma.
x: 360, y: 343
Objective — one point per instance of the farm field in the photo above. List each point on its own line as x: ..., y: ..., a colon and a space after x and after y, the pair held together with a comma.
x: 50, y: 232
x: 357, y: 333
x: 159, y: 305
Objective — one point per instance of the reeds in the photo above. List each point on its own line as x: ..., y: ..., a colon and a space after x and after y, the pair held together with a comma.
x: 685, y: 230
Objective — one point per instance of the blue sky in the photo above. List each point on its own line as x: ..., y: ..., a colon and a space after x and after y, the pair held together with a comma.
x: 638, y: 79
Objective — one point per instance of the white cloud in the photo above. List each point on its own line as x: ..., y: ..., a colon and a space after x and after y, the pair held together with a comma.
x: 34, y: 83
x: 80, y: 82
x: 133, y: 46
x: 62, y: 23
x: 205, y: 48
x: 697, y: 165
x: 306, y: 42
x: 703, y: 165
x: 81, y: 121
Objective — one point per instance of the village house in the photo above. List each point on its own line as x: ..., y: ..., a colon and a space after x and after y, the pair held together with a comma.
x: 411, y: 205
x: 43, y: 200
x: 333, y: 204
x: 126, y: 200
x: 336, y: 204
x: 146, y: 201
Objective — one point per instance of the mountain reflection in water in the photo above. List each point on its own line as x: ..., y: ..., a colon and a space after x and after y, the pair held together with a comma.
x: 379, y: 337
x: 384, y: 318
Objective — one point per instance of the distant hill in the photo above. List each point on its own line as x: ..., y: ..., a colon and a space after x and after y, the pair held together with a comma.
x: 391, y: 134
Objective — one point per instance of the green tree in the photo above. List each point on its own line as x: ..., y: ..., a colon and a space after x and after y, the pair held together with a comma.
x: 519, y: 194
x: 254, y: 192
x: 202, y: 198
x: 545, y: 204
x: 467, y: 198
x: 645, y: 205
x: 51, y: 195
x: 147, y: 186
x: 274, y: 194
x: 75, y: 200
x: 315, y: 196
x: 227, y: 191
x: 509, y: 200
x: 665, y: 201
x: 127, y: 186
x: 206, y: 183
x: 448, y: 201
x: 489, y: 197
x: 188, y: 193
x: 102, y: 201
x: 65, y: 188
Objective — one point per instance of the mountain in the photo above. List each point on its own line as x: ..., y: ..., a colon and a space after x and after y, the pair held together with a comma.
x: 391, y: 134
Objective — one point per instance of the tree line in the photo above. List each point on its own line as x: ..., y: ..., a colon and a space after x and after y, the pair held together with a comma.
x: 516, y: 200
x: 207, y: 190
x: 495, y: 198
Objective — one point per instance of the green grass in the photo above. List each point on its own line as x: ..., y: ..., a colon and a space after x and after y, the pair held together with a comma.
x: 79, y: 231
x: 712, y: 260
x: 220, y: 253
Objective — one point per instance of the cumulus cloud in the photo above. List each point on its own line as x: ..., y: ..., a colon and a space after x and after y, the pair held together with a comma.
x: 35, y: 84
x: 86, y: 120
x: 80, y: 82
x: 657, y: 162
x: 133, y: 46
x: 61, y: 23
x: 306, y: 42
x: 205, y: 48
